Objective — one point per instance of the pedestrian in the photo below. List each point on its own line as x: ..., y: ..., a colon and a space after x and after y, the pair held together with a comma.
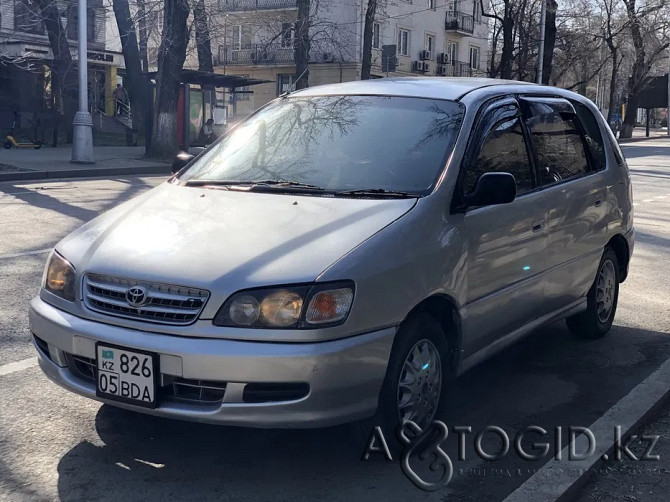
x: 208, y: 131
x: 120, y: 99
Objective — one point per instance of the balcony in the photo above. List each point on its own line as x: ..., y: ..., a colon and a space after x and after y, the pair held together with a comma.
x: 459, y: 22
x: 457, y: 69
x: 257, y: 54
x: 242, y: 5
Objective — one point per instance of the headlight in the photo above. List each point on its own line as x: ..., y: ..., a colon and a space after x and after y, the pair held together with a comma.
x: 301, y: 306
x: 59, y: 277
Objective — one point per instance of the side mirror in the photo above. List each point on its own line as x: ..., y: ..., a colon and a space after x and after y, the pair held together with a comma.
x: 491, y: 189
x: 180, y: 161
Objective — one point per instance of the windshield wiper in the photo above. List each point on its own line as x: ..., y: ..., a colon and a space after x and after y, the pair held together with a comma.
x: 379, y: 192
x: 258, y: 186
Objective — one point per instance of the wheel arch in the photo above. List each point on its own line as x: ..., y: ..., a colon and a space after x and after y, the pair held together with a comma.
x: 444, y: 310
x: 620, y: 246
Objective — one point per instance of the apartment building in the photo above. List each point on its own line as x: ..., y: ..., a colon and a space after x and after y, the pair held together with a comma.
x: 254, y: 38
x: 25, y: 58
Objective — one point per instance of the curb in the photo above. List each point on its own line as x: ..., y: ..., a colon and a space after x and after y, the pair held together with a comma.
x: 553, y: 481
x: 84, y: 173
x: 637, y: 140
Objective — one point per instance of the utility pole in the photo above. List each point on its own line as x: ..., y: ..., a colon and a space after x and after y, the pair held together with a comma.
x: 540, y: 56
x: 82, y: 144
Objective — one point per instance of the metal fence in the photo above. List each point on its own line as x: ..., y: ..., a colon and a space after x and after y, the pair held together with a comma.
x: 240, y: 5
x: 459, y: 21
x: 256, y: 54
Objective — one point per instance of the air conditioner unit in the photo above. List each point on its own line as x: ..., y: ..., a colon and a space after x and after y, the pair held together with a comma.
x: 443, y: 58
x: 420, y: 66
x: 444, y: 70
x: 424, y: 55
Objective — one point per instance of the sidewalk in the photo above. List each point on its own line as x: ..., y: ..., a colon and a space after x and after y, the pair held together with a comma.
x: 52, y: 163
x: 639, y: 134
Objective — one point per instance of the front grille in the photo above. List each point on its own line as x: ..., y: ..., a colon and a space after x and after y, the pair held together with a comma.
x: 164, y: 303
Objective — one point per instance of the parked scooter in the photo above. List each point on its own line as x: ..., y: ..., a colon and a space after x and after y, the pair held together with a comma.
x: 11, y: 142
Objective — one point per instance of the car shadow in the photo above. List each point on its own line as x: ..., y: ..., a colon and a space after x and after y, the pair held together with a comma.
x: 549, y: 379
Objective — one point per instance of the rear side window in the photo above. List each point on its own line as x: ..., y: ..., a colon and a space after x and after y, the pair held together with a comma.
x: 593, y: 136
x: 561, y: 153
x: 503, y: 150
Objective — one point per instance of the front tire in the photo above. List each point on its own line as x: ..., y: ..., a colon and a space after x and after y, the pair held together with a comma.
x: 7, y: 144
x: 602, y: 300
x: 415, y: 381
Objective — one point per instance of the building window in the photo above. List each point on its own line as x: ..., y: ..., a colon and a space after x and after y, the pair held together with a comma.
x: 403, y: 42
x: 431, y: 4
x: 287, y: 35
x: 284, y: 82
x: 477, y: 13
x: 27, y: 17
x: 452, y: 51
x: 237, y: 38
x: 376, y: 35
x: 429, y: 44
x: 474, y: 58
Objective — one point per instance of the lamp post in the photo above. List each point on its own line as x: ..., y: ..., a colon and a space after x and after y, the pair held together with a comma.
x: 82, y: 144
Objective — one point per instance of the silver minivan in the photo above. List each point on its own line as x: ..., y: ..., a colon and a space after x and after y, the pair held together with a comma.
x: 344, y: 253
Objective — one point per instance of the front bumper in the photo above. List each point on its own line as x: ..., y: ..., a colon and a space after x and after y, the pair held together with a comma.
x: 344, y: 376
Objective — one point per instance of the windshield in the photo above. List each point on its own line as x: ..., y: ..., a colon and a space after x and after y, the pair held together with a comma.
x: 338, y: 143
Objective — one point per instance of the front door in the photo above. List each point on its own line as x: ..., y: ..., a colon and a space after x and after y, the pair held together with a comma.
x: 506, y: 244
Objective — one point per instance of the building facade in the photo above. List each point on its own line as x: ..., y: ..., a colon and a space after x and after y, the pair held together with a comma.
x: 26, y: 57
x: 254, y: 38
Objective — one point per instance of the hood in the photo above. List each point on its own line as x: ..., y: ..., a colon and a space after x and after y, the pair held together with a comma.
x: 225, y: 241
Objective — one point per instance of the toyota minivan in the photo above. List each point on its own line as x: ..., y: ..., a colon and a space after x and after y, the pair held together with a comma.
x: 345, y: 252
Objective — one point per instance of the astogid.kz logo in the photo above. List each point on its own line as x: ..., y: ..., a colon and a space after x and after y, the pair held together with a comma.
x: 433, y: 469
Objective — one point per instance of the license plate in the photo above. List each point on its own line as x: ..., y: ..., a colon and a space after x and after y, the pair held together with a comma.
x: 126, y: 375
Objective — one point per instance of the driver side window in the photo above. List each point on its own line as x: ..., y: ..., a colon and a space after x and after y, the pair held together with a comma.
x: 503, y: 150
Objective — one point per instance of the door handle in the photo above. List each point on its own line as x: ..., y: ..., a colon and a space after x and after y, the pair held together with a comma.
x: 538, y: 226
x: 599, y: 203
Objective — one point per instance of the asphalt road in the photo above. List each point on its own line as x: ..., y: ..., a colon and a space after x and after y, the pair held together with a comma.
x: 56, y: 445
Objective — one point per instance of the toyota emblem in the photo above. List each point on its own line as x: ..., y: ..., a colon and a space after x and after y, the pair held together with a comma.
x: 136, y: 296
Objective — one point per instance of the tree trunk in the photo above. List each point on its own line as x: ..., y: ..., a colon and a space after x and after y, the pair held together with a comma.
x: 63, y: 75
x: 302, y: 43
x: 638, y: 73
x: 142, y: 27
x: 136, y: 83
x: 171, y: 56
x: 508, y: 43
x: 610, y: 108
x: 202, y: 38
x: 549, y: 40
x: 366, y: 60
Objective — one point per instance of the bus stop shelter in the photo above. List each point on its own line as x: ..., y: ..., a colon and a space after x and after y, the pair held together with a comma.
x: 205, y: 96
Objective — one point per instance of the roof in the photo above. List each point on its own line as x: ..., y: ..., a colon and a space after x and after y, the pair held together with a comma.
x: 420, y: 87
x: 214, y: 79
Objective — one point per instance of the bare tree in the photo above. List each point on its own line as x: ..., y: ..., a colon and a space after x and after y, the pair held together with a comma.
x: 645, y: 55
x: 302, y: 44
x: 171, y: 56
x: 202, y: 37
x: 63, y: 89
x: 136, y: 83
x: 366, y: 60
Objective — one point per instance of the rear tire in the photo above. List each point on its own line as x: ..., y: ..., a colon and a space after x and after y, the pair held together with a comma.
x: 415, y: 381
x: 602, y: 300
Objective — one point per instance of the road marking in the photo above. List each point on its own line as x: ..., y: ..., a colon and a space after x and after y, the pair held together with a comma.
x: 25, y: 253
x: 562, y: 479
x: 7, y: 369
